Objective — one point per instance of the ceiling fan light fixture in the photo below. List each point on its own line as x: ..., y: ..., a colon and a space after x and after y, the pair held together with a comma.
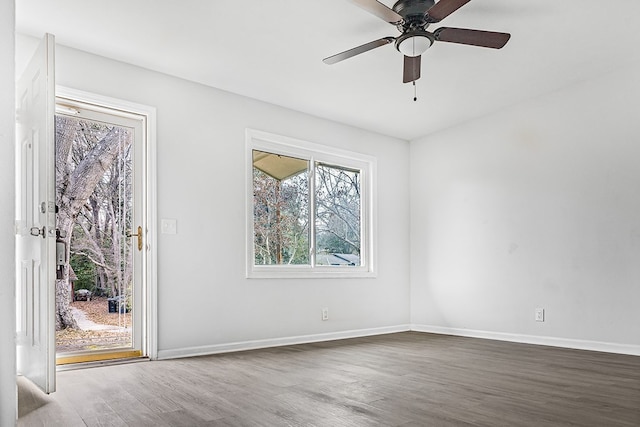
x: 414, y: 44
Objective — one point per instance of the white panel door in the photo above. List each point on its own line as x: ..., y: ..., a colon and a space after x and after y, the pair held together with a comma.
x: 35, y: 213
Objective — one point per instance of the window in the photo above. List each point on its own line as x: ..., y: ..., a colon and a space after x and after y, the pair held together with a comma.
x: 309, y: 209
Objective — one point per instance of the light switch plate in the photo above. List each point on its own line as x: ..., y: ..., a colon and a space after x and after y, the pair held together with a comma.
x: 168, y: 226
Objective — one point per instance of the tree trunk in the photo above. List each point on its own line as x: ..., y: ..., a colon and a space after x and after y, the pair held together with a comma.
x: 64, y: 317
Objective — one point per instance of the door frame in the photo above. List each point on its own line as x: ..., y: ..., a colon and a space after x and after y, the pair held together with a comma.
x: 150, y: 318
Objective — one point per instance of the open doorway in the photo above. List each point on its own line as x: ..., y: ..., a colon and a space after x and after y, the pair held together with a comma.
x: 101, y: 290
x: 43, y: 240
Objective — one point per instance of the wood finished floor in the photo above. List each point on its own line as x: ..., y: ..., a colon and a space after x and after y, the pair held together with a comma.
x: 405, y: 379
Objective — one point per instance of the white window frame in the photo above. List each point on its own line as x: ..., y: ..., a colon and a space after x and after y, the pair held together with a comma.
x: 365, y: 164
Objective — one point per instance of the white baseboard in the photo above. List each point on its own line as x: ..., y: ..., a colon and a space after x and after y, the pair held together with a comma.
x: 276, y: 342
x: 606, y: 347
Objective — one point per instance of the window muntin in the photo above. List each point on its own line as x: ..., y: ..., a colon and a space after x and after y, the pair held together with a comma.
x: 309, y: 210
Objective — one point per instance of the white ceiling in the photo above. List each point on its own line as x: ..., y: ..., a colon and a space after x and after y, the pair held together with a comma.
x: 273, y: 50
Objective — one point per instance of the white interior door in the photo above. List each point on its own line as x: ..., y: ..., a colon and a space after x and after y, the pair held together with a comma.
x: 35, y: 224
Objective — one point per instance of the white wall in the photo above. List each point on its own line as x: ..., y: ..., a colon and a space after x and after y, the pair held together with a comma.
x: 205, y: 302
x: 8, y: 397
x: 537, y: 206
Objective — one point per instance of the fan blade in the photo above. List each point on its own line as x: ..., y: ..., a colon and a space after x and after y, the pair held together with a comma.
x: 379, y: 10
x: 472, y: 37
x: 444, y: 8
x: 357, y: 50
x: 411, y: 69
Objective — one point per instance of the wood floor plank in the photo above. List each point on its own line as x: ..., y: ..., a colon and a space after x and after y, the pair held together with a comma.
x: 35, y: 408
x: 406, y: 379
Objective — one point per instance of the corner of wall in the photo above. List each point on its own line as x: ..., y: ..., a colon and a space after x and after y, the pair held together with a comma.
x: 8, y: 388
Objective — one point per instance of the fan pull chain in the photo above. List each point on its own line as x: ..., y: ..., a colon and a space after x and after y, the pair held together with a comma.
x: 415, y: 92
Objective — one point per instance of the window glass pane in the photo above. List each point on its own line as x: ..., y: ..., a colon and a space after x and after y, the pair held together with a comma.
x: 337, y: 222
x: 101, y: 263
x: 280, y: 209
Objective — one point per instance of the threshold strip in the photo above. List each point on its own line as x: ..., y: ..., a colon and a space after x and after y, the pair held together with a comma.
x: 97, y: 357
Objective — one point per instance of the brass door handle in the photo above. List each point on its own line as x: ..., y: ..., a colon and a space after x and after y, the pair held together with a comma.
x: 138, y: 235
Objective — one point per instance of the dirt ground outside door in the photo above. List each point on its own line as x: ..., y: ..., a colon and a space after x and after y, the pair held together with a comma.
x: 99, y: 329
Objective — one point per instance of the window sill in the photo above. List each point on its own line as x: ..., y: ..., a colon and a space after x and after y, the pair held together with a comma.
x: 306, y: 272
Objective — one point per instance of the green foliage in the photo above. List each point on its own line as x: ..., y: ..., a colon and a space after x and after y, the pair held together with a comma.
x: 85, y: 271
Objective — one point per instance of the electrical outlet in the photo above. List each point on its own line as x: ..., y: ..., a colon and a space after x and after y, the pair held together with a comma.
x: 325, y: 313
x: 539, y: 314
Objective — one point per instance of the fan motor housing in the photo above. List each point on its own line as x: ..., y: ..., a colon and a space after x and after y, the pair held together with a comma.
x: 413, y: 12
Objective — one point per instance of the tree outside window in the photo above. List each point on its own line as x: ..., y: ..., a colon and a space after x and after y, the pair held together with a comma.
x: 337, y: 215
x: 280, y: 211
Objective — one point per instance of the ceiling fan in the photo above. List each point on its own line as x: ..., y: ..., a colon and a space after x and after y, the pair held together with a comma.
x: 412, y: 18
